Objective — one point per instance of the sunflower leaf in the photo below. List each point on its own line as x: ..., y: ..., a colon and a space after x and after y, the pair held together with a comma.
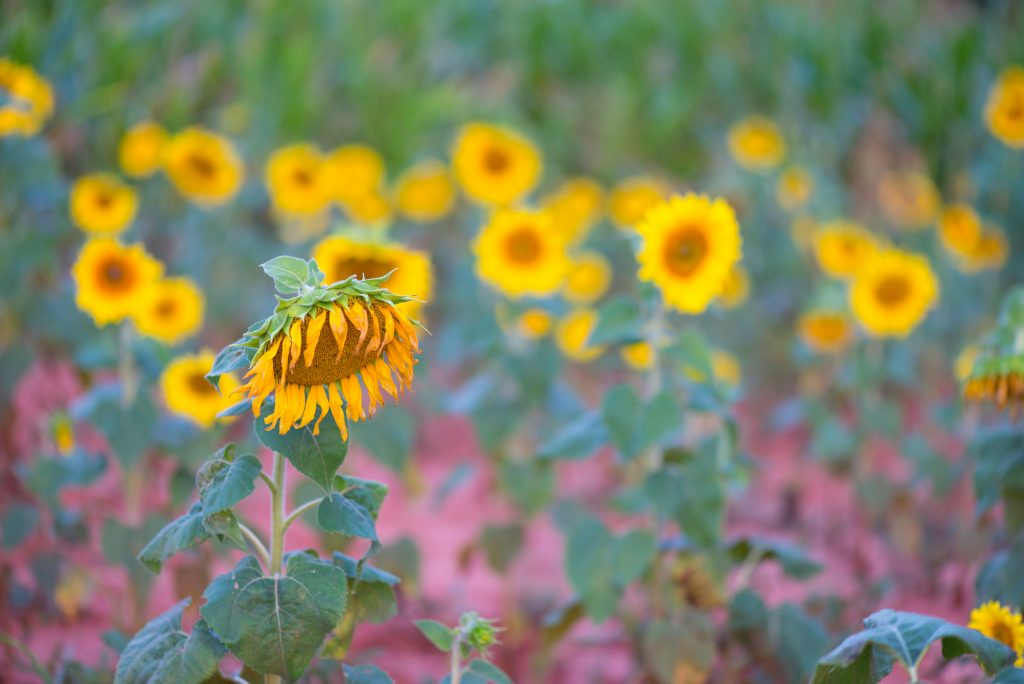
x: 345, y: 514
x: 289, y: 273
x: 318, y: 457
x: 224, y: 480
x: 178, y: 535
x: 161, y: 653
x: 365, y: 674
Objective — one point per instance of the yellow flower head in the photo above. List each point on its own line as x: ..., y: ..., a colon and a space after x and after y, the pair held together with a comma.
x: 963, y: 366
x: 100, y: 204
x: 353, y: 171
x: 372, y: 210
x: 295, y: 180
x: 203, y: 166
x: 736, y: 289
x: 996, y: 370
x: 843, y: 247
x: 575, y: 207
x: 188, y: 393
x: 893, y: 292
x: 724, y: 367
x: 110, y: 278
x: 756, y: 143
x: 534, y: 323
x: 573, y: 333
x: 495, y: 165
x: 690, y: 244
x: 959, y: 230
x: 26, y: 99
x: 170, y: 310
x: 519, y: 253
x: 425, y: 192
x: 998, y: 622
x: 632, y: 198
x: 142, y: 149
x: 639, y: 355
x: 1004, y: 111
x: 909, y: 200
x: 588, y: 279
x: 793, y: 188
x: 824, y: 331
x: 989, y: 252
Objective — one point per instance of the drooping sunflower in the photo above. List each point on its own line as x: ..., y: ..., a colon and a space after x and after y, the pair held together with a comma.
x: 1004, y: 111
x: 170, y: 310
x: 996, y: 371
x: 26, y: 99
x: 793, y: 188
x: 110, y: 278
x: 494, y: 165
x: 588, y: 278
x: 353, y: 171
x: 573, y: 334
x: 632, y: 198
x: 520, y: 254
x: 843, y: 247
x: 959, y: 229
x: 100, y: 204
x: 425, y: 191
x: 690, y: 244
x: 998, y: 622
x: 756, y: 143
x: 142, y: 148
x: 908, y: 199
x: 313, y: 352
x: 575, y: 206
x: 188, y: 393
x: 736, y: 289
x: 295, y: 180
x: 203, y: 166
x: 893, y: 292
x: 989, y: 253
x: 825, y: 331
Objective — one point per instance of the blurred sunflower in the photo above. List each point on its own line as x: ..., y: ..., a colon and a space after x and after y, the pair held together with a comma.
x: 842, y: 247
x: 736, y: 288
x: 519, y: 253
x: 372, y: 209
x: 26, y: 99
x: 575, y: 206
x: 756, y: 143
x: 188, y: 393
x: 1004, y: 110
x: 989, y: 252
x: 998, y: 622
x: 353, y: 171
x: 793, y: 188
x: 425, y: 192
x: 690, y: 244
x: 996, y: 371
x: 142, y: 148
x: 295, y: 180
x: 170, y: 310
x: 893, y: 292
x: 724, y: 367
x: 495, y: 165
x: 908, y: 199
x: 100, y: 204
x: 203, y: 166
x: 632, y: 198
x: 573, y: 333
x: 825, y: 331
x: 963, y: 366
x: 588, y: 278
x: 638, y: 355
x: 959, y: 229
x: 110, y: 278
x: 534, y: 323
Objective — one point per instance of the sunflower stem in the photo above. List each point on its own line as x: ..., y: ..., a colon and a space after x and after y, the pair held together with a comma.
x: 126, y: 365
x: 652, y: 383
x: 277, y: 503
x: 294, y: 515
x: 257, y: 543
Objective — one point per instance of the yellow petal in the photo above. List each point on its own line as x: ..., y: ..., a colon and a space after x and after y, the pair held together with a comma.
x: 313, y: 336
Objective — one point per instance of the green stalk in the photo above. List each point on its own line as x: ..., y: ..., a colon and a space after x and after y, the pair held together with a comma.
x: 456, y: 673
x: 277, y: 527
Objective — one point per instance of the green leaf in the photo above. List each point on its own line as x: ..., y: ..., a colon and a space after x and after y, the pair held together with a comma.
x: 368, y: 492
x: 1002, y: 577
x: 178, y: 535
x: 691, y: 494
x: 1013, y: 675
x: 530, y: 483
x: 691, y: 350
x: 576, y: 440
x: 365, y: 674
x: 224, y: 526
x: 343, y: 514
x: 635, y: 425
x: 792, y: 558
x: 372, y: 592
x: 682, y: 646
x: 747, y: 612
x: 161, y: 653
x: 631, y: 554
x: 488, y: 672
x: 50, y: 475
x: 224, y: 480
x: 276, y: 624
x: 501, y: 543
x: 318, y: 457
x: 19, y: 521
x: 231, y: 358
x: 129, y: 431
x: 999, y: 465
x: 289, y: 273
x: 618, y: 321
x: 799, y: 640
x: 438, y: 634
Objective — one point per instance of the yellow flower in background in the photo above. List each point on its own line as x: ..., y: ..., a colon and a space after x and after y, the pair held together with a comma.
x: 959, y: 229
x: 295, y: 180
x: 588, y: 278
x: 26, y: 99
x: 843, y: 247
x: 736, y: 289
x: 575, y: 207
x: 908, y: 199
x: 142, y: 149
x: 170, y: 310
x: 100, y: 204
x: 372, y: 210
x: 893, y: 292
x: 989, y: 253
x: 573, y: 332
x: 825, y: 331
x: 294, y: 228
x: 495, y: 165
x: 999, y: 622
x: 62, y: 432
x: 534, y: 323
x: 353, y: 171
x: 638, y: 355
x: 519, y: 253
x: 963, y: 366
x: 110, y: 278
x: 188, y: 393
x: 632, y: 198
x: 793, y: 188
x: 1004, y: 110
x: 801, y: 231
x: 690, y: 245
x: 203, y: 166
x: 724, y: 367
x: 756, y: 143
x: 425, y: 192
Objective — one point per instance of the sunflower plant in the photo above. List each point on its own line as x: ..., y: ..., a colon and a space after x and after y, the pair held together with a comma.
x: 310, y: 364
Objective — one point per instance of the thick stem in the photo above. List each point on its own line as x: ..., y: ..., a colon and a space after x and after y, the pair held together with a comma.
x: 277, y: 503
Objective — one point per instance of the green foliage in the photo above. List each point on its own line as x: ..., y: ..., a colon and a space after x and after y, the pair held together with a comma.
x: 226, y: 479
x: 684, y: 644
x: 318, y: 457
x: 292, y: 275
x: 19, y: 520
x: 180, y: 534
x: 999, y: 472
x: 577, y: 439
x: 690, y: 494
x: 372, y: 591
x: 365, y: 674
x: 344, y: 514
x: 161, y: 653
x: 635, y: 424
x: 792, y: 558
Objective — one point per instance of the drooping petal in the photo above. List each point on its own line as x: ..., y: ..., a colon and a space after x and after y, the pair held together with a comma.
x: 313, y: 336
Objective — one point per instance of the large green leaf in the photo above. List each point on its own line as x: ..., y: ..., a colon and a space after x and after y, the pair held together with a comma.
x: 372, y: 591
x: 344, y: 514
x: 276, y: 625
x: 577, y: 439
x: 318, y: 457
x: 225, y: 479
x: 691, y: 494
x: 999, y: 466
x: 635, y: 424
x: 178, y: 535
x: 365, y: 674
x: 161, y: 653
x: 618, y: 321
x: 794, y: 560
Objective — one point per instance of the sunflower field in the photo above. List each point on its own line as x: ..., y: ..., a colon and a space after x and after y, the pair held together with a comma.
x: 534, y: 341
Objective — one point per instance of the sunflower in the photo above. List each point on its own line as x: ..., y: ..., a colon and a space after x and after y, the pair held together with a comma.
x: 842, y: 247
x: 519, y: 253
x: 588, y: 278
x: 638, y: 355
x: 690, y: 244
x: 632, y: 198
x: 352, y: 171
x: 142, y: 148
x: 493, y: 164
x: 100, y: 204
x: 1004, y: 111
x: 573, y: 334
x: 988, y: 253
x: 793, y: 188
x: 425, y: 192
x: 893, y: 292
x: 825, y: 331
x: 736, y: 289
x: 295, y: 180
x: 725, y: 369
x: 534, y: 323
x: 575, y: 207
x: 170, y: 310
x: 959, y: 229
x: 908, y: 199
x: 188, y: 393
x: 963, y: 366
x: 756, y: 143
x: 203, y: 166
x: 998, y: 622
x: 313, y: 352
x: 372, y: 209
x: 996, y: 373
x: 26, y: 99
x: 110, y: 278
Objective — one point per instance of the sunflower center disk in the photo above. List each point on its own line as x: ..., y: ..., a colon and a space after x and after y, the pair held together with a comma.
x: 523, y: 246
x: 892, y: 290
x: 115, y: 275
x: 303, y: 178
x: 166, y: 308
x: 685, y: 250
x: 200, y: 385
x: 496, y: 160
x: 201, y: 165
x: 328, y: 365
x: 363, y: 268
